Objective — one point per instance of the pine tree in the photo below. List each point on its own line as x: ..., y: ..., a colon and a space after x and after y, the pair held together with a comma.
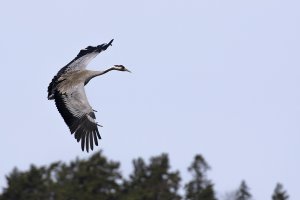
x: 153, y: 181
x: 243, y: 192
x: 95, y: 178
x: 199, y: 188
x: 279, y: 193
x: 30, y: 185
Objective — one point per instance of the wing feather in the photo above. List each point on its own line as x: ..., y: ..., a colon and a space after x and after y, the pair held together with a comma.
x: 98, y: 134
x: 95, y: 138
x: 82, y: 141
x: 91, y: 140
x: 87, y: 141
x: 78, y: 115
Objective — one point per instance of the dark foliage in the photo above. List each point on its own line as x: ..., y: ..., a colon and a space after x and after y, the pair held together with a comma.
x: 95, y: 178
x: 279, y: 193
x: 101, y: 179
x: 243, y: 193
x: 153, y: 181
x: 199, y: 188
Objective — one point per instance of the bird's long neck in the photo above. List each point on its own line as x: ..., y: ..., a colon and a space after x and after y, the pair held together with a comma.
x: 93, y: 74
x: 99, y: 73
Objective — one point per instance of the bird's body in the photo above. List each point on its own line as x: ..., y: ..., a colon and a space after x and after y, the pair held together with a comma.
x: 67, y: 89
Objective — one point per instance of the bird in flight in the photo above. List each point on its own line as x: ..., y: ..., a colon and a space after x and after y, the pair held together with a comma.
x: 67, y: 89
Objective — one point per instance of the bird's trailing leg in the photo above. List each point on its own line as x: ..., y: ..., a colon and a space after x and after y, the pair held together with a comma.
x: 99, y: 125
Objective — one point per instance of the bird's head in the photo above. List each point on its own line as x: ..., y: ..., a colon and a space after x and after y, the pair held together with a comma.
x: 120, y: 68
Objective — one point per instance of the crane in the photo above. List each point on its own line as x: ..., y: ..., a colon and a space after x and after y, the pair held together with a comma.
x: 67, y: 90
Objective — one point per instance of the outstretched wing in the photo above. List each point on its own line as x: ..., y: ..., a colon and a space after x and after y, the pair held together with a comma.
x: 85, y: 56
x: 80, y: 62
x: 78, y: 115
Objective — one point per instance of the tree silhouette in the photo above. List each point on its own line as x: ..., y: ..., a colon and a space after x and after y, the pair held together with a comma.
x: 243, y: 192
x: 153, y: 181
x: 101, y: 179
x: 199, y: 188
x: 81, y: 179
x: 279, y: 193
x: 26, y: 185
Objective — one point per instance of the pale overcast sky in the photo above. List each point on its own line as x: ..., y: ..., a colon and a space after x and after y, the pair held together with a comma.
x: 215, y: 77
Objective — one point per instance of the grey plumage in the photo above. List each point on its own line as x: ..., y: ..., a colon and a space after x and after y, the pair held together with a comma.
x: 67, y: 89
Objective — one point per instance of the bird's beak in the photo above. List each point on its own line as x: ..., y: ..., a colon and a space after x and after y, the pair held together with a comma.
x: 127, y: 70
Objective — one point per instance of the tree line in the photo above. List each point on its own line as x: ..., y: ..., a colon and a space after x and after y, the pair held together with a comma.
x: 100, y: 178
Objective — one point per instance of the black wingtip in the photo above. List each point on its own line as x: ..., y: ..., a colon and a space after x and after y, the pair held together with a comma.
x: 95, y: 138
x: 87, y: 142
x: 98, y: 134
x: 91, y: 141
x: 104, y: 46
x: 110, y: 42
x: 82, y: 141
